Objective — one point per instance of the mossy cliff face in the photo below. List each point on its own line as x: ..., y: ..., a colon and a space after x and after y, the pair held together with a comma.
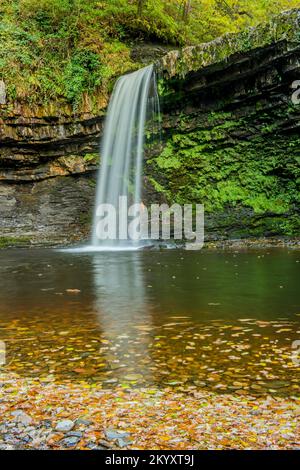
x: 230, y: 141
x: 284, y: 27
x: 231, y: 131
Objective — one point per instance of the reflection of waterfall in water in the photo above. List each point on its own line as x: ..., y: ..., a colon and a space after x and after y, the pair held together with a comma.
x: 123, y: 313
x: 134, y: 100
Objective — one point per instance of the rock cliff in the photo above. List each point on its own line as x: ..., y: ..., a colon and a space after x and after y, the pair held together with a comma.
x: 230, y: 141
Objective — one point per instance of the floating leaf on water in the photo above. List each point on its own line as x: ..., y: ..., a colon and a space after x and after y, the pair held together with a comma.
x: 133, y: 377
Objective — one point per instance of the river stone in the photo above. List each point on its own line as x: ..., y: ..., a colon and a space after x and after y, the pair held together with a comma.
x: 6, y: 447
x: 133, y: 377
x: 276, y: 384
x: 75, y: 434
x: 256, y: 387
x: 124, y: 442
x: 46, y: 423
x: 65, y: 425
x: 83, y: 422
x: 21, y: 417
x: 70, y: 441
x: 104, y: 444
x: 115, y: 434
x: 93, y: 446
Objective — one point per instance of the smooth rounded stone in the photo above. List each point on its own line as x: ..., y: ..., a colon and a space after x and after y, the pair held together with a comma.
x: 93, y: 446
x: 239, y: 384
x: 11, y: 425
x: 241, y: 392
x: 65, y: 425
x: 70, y: 441
x: 256, y: 387
x: 75, y: 434
x: 133, y: 377
x: 6, y: 447
x: 46, y: 423
x: 111, y: 381
x: 21, y: 417
x: 115, y: 434
x: 83, y: 422
x: 200, y: 383
x: 33, y: 433
x: 124, y: 442
x: 233, y: 387
x: 9, y: 438
x: 276, y: 384
x: 104, y: 444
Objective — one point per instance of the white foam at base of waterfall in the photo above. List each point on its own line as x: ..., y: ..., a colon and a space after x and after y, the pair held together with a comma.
x: 122, y: 151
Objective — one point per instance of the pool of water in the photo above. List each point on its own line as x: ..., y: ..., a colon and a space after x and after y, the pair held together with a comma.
x: 222, y: 321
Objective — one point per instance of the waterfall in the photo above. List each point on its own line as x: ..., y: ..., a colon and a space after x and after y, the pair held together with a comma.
x: 134, y: 100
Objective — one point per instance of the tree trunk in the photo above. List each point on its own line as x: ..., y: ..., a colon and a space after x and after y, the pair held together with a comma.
x: 186, y: 10
x: 140, y: 4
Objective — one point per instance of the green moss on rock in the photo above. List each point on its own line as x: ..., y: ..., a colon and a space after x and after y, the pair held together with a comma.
x: 6, y: 242
x: 225, y: 167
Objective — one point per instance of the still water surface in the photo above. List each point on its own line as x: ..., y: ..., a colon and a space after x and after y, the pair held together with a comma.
x: 223, y: 321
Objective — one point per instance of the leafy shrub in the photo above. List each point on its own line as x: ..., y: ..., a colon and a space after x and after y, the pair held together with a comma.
x: 83, y: 73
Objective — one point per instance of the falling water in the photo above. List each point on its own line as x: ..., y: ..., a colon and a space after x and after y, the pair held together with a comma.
x: 134, y: 100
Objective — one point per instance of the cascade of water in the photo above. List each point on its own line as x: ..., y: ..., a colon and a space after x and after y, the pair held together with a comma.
x: 134, y: 98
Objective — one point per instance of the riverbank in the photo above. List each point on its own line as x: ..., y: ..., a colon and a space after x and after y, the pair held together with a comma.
x: 236, y: 244
x: 259, y: 243
x: 43, y: 414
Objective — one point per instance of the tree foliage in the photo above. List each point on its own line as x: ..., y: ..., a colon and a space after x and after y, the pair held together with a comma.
x: 63, y: 48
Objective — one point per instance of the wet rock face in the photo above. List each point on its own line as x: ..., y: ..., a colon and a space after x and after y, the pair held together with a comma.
x: 145, y: 53
x: 48, y: 168
x: 50, y: 211
x: 231, y: 133
x: 230, y: 142
x: 28, y: 140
